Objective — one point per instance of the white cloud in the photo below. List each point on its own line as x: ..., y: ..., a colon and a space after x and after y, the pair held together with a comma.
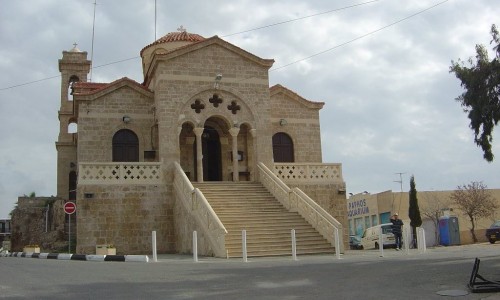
x: 389, y: 96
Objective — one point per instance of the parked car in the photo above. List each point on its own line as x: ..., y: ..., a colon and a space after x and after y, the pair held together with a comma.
x: 493, y: 233
x: 371, y: 236
x: 355, y: 242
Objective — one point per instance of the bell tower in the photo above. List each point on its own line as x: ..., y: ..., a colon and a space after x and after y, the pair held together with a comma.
x: 74, y: 67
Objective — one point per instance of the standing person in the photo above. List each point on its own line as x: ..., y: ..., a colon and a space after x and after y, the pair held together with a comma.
x: 396, y: 229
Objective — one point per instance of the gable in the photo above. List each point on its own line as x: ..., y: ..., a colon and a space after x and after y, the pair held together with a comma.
x: 226, y: 53
x: 280, y: 93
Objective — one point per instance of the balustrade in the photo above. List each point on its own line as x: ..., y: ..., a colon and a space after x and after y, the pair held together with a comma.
x: 309, y: 172
x: 120, y: 173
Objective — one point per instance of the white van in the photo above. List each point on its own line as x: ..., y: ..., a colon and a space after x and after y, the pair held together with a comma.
x: 371, y: 236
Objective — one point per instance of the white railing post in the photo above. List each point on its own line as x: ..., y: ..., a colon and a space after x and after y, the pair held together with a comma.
x: 195, y: 246
x: 294, y: 246
x: 337, y: 243
x: 381, y: 242
x: 153, y: 242
x: 244, y: 244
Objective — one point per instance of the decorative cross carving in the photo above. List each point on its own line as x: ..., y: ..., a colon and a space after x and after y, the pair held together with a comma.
x: 181, y: 29
x: 234, y: 107
x: 197, y: 106
x: 215, y: 100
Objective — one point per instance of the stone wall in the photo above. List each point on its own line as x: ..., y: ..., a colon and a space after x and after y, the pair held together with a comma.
x: 100, y: 119
x: 29, y: 223
x: 180, y: 81
x: 125, y: 217
x: 333, y: 202
x: 301, y: 119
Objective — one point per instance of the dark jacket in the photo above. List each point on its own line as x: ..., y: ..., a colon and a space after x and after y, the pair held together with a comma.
x: 396, y: 226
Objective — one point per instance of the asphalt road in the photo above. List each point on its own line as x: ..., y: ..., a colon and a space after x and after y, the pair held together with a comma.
x: 357, y: 275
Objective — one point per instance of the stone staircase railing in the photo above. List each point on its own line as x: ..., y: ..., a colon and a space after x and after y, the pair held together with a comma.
x: 197, y: 205
x: 296, y: 200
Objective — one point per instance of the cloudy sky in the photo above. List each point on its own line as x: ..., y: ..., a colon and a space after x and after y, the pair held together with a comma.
x: 381, y: 67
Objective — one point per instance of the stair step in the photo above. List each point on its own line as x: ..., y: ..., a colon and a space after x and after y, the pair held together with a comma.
x: 250, y: 206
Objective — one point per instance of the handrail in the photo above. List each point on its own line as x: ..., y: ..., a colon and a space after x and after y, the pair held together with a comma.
x: 296, y: 199
x: 197, y: 205
x: 317, y: 207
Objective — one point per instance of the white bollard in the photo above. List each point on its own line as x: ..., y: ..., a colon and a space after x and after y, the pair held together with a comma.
x: 406, y: 241
x: 294, y: 246
x: 153, y: 241
x: 423, y: 240
x: 195, y: 246
x: 381, y: 242
x: 337, y: 243
x: 244, y: 245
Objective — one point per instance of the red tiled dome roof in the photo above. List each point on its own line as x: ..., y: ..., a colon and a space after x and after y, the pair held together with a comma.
x: 182, y: 36
x: 179, y: 36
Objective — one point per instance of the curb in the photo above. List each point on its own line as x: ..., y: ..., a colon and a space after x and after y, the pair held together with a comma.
x: 79, y: 257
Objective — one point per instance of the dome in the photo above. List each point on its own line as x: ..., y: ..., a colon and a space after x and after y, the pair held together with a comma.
x: 166, y: 44
x: 178, y: 38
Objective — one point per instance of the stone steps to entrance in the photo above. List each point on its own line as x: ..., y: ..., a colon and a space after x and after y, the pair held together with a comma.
x: 250, y: 206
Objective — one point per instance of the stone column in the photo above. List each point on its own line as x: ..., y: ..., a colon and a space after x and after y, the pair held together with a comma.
x: 234, y: 134
x: 253, y: 176
x: 198, y: 131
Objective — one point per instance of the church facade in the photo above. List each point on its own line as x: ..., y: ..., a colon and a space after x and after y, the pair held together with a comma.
x: 129, y: 153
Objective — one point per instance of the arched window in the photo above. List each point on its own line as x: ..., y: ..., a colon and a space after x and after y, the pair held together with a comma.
x: 71, y: 81
x: 72, y: 127
x: 282, y: 148
x: 125, y: 146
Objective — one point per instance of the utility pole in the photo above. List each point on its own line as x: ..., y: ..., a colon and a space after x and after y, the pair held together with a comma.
x: 400, y: 181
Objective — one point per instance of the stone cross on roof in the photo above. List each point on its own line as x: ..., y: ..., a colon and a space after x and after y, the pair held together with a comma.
x: 181, y: 29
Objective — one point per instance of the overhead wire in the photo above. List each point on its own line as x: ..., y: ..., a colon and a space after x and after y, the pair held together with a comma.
x: 267, y: 26
x: 245, y: 31
x: 359, y: 37
x: 301, y: 18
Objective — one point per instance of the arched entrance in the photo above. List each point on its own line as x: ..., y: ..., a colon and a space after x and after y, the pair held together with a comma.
x: 211, y: 149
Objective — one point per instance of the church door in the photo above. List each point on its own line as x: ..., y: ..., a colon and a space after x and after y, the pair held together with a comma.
x: 125, y: 146
x: 211, y: 149
x: 282, y: 148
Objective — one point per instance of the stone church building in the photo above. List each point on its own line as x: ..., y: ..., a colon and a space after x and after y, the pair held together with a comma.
x: 190, y: 148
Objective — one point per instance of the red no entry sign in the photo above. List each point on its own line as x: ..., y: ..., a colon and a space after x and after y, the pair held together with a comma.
x: 69, y: 208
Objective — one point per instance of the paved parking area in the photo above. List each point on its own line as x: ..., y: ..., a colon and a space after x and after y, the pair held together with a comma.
x: 357, y: 275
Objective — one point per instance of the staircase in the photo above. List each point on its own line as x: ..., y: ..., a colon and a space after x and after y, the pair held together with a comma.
x: 250, y: 206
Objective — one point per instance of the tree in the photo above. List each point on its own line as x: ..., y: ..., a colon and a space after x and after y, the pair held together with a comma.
x: 475, y: 202
x: 481, y: 98
x: 433, y: 209
x: 413, y: 210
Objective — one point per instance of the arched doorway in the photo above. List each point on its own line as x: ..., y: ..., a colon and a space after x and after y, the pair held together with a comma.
x: 125, y: 146
x: 282, y: 148
x: 211, y: 150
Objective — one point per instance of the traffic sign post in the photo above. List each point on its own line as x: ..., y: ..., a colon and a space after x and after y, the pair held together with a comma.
x: 69, y: 209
